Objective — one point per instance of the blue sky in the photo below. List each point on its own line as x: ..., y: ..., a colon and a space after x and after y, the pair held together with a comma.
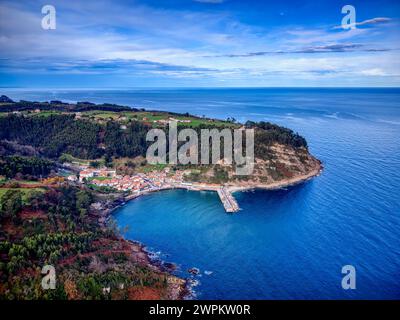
x: 199, y: 43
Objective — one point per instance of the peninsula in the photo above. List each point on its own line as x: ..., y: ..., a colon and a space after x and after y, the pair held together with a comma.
x: 64, y: 167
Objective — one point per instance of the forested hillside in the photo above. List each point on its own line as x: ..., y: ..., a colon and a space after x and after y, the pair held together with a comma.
x: 56, y: 134
x: 54, y: 227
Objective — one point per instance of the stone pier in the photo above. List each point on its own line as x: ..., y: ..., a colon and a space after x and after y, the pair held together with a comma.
x: 228, y: 200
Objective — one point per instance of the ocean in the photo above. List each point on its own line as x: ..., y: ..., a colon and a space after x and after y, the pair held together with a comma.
x: 290, y: 243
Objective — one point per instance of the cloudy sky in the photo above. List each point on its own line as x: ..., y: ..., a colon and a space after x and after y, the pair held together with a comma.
x: 199, y: 43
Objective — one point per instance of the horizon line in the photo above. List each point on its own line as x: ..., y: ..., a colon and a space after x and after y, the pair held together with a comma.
x: 200, y: 87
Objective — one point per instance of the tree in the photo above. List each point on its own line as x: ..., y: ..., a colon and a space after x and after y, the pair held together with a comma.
x: 35, y: 198
x: 108, y: 160
x: 83, y: 201
x: 18, y: 167
x: 94, y: 164
x: 11, y: 203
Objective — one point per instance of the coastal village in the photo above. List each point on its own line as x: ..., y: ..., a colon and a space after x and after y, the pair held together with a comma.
x: 59, y: 204
x: 142, y: 183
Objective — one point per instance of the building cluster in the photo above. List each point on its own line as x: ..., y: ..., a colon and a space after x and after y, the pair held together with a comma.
x: 93, y: 173
x: 140, y: 183
x: 135, y: 183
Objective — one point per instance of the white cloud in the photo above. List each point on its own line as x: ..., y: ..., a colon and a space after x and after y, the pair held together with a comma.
x: 372, y: 21
x: 374, y: 72
x: 91, y: 32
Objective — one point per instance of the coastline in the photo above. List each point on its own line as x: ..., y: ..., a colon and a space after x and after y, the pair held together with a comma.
x: 280, y: 184
x: 231, y: 187
x: 179, y: 288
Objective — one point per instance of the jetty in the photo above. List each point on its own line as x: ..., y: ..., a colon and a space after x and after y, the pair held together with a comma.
x: 228, y: 200
x: 224, y: 194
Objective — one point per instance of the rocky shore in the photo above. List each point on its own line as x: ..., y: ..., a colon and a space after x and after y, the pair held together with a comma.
x: 279, y: 184
x: 178, y: 288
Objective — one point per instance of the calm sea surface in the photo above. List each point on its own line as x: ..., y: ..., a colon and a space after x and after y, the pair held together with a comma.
x: 284, y: 244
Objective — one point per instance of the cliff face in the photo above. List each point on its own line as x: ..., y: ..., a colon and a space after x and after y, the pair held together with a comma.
x: 285, y: 163
x: 279, y: 164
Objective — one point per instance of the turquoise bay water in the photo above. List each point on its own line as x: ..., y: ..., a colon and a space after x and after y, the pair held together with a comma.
x: 289, y: 243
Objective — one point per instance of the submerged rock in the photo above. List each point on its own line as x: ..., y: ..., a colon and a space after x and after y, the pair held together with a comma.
x: 194, y: 271
x: 169, y: 266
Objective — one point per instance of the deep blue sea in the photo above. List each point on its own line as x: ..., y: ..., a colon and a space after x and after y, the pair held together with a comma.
x: 289, y: 243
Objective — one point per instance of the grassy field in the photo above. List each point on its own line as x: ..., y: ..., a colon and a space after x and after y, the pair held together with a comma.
x: 194, y: 121
x: 143, y: 116
x: 25, y: 192
x: 65, y: 157
x: 151, y: 117
x: 23, y: 181
x: 104, y: 115
x: 99, y: 178
x: 151, y: 167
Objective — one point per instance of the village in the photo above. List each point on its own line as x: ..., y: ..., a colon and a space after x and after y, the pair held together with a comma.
x: 142, y: 183
x: 137, y: 183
